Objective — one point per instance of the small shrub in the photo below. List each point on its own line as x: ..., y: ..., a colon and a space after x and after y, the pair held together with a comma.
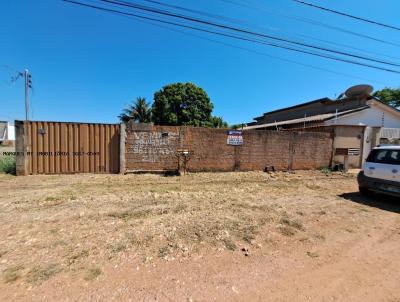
x: 51, y: 198
x: 38, y: 274
x: 319, y: 237
x: 292, y: 223
x: 118, y: 247
x: 8, y: 165
x: 77, y: 256
x: 163, y: 251
x: 287, y: 231
x: 312, y: 254
x: 326, y: 171
x: 11, y: 274
x: 229, y: 244
x: 92, y: 273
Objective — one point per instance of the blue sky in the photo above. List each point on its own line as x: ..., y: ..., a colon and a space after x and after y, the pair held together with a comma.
x: 88, y: 65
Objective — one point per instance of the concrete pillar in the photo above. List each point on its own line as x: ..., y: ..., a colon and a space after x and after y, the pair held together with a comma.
x: 21, y: 142
x: 122, y: 137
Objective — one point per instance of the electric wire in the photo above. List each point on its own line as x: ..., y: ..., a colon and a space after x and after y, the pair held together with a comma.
x: 256, y: 52
x: 310, y: 21
x: 247, y: 23
x: 236, y: 37
x: 347, y: 15
x: 245, y: 31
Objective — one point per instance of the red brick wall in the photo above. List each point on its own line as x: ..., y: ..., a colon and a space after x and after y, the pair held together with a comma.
x: 151, y: 148
x: 311, y: 150
x: 154, y: 148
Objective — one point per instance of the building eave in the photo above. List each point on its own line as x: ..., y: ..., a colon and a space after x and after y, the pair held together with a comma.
x: 310, y: 119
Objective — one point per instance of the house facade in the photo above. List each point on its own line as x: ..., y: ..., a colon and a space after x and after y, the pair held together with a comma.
x: 361, y: 110
x: 358, y: 123
x: 7, y: 132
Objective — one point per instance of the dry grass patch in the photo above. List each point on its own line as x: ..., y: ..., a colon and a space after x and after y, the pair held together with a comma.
x: 41, y: 273
x: 12, y: 273
x: 78, y: 220
x: 292, y: 223
x: 92, y: 273
x: 287, y: 231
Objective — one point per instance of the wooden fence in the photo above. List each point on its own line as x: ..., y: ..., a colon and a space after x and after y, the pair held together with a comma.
x: 62, y: 148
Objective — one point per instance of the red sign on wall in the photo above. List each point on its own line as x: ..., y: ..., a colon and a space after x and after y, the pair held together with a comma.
x: 235, y: 138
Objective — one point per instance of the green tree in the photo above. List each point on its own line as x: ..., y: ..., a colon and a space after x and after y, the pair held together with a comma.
x: 389, y: 96
x: 139, y: 112
x: 237, y: 126
x: 218, y: 122
x: 182, y: 104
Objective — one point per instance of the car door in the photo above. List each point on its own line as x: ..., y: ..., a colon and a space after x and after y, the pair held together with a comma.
x: 378, y: 165
x: 393, y: 159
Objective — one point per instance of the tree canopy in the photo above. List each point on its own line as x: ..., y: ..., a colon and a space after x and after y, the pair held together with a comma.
x: 176, y: 104
x: 182, y: 104
x: 389, y: 96
x: 139, y: 112
x: 218, y: 122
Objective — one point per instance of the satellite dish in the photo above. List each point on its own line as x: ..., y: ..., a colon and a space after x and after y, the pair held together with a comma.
x: 359, y: 90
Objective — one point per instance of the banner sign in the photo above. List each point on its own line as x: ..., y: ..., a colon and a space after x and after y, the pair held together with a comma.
x: 235, y: 138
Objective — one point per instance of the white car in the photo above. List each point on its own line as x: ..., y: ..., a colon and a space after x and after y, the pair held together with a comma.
x: 381, y: 172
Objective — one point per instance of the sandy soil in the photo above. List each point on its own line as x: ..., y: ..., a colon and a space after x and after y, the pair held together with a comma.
x: 203, y: 237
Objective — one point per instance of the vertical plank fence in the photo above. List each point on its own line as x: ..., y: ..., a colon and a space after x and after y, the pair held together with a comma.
x: 63, y: 148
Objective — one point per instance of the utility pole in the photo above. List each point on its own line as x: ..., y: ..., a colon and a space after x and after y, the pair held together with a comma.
x: 22, y: 144
x: 28, y: 85
x: 27, y: 142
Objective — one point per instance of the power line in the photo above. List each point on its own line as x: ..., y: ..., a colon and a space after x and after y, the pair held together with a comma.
x: 194, y: 11
x: 237, y: 37
x: 209, y: 23
x: 348, y: 46
x: 257, y: 52
x: 16, y: 74
x: 312, y: 22
x: 336, y: 43
x: 347, y: 15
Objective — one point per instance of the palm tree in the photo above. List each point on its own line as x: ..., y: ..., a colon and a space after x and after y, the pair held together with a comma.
x: 139, y: 112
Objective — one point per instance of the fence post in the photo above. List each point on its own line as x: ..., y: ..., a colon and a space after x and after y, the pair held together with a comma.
x: 122, y: 137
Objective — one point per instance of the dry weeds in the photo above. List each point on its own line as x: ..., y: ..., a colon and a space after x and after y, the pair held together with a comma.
x: 64, y: 224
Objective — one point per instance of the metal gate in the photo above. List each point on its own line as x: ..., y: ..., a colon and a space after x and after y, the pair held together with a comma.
x: 62, y: 148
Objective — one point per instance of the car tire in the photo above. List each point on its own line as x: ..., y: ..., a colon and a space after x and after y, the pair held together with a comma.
x: 365, y: 192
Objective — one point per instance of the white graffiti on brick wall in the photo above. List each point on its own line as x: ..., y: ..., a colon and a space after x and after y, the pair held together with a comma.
x: 152, y: 146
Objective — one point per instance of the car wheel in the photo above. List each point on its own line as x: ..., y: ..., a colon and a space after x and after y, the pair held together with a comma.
x: 365, y: 192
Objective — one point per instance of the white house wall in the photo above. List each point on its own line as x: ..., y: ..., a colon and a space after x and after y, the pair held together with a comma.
x: 11, y: 133
x: 371, y: 117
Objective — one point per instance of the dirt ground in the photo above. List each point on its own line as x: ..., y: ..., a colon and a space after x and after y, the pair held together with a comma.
x: 254, y: 236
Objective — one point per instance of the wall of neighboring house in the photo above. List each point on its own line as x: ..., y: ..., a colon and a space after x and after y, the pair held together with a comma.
x: 7, y: 132
x: 319, y: 107
x: 3, y: 131
x: 11, y: 132
x: 376, y: 116
x: 348, y: 137
x: 373, y: 136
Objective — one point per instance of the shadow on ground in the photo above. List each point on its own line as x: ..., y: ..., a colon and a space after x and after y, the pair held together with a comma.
x: 382, y: 202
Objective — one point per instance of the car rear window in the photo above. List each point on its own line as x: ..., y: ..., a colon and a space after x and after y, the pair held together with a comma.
x: 382, y: 156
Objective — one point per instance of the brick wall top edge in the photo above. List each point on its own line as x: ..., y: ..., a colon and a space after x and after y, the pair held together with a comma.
x: 151, y: 127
